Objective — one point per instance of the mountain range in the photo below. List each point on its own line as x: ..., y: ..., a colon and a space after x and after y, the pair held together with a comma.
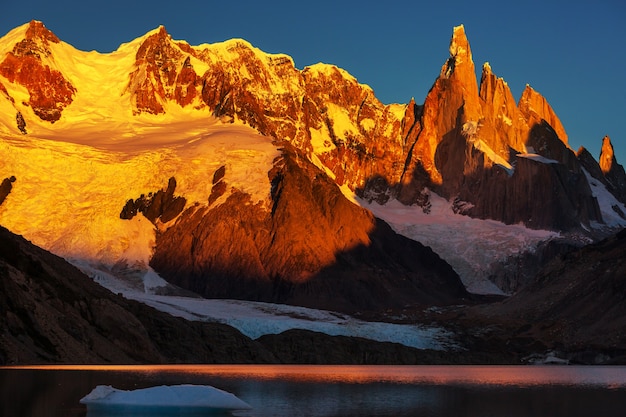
x: 227, y: 172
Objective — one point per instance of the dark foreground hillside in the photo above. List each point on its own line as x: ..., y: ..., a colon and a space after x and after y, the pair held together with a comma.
x: 575, y: 307
x: 52, y: 313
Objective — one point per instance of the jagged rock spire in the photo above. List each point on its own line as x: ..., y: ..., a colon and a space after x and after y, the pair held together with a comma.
x: 504, y: 128
x: 535, y: 108
x: 607, y: 155
x: 451, y: 103
x: 613, y: 172
x: 460, y: 69
x: 459, y: 46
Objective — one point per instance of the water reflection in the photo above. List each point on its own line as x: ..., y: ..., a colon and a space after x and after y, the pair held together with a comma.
x: 609, y: 377
x: 329, y: 391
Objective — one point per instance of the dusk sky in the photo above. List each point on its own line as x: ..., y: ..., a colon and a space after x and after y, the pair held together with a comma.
x: 572, y: 52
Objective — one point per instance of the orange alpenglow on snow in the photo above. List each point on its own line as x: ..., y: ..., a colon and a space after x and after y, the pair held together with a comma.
x: 289, y: 145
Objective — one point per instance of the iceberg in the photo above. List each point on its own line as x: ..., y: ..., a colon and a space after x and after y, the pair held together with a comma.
x: 163, y: 399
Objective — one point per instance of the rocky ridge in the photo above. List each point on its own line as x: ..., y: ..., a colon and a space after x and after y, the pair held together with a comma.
x: 310, y: 247
x: 467, y: 142
x: 307, y: 244
x: 51, y: 313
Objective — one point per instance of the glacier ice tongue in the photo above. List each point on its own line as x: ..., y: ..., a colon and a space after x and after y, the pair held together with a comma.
x: 470, y: 245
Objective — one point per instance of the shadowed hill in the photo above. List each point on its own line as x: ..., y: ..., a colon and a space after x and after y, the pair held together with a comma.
x: 312, y: 247
x: 52, y: 313
x: 575, y: 305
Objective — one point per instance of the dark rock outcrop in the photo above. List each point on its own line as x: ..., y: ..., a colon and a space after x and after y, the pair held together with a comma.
x: 219, y: 185
x: 162, y: 205
x: 307, y: 347
x: 520, y: 269
x: 5, y: 188
x: 311, y: 247
x: 591, y: 165
x: 20, y: 122
x: 52, y: 313
x: 541, y: 193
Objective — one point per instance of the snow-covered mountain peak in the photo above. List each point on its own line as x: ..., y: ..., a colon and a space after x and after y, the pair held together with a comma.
x: 116, y: 127
x: 31, y: 34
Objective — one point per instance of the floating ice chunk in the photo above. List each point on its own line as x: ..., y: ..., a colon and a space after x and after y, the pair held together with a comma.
x: 164, y: 398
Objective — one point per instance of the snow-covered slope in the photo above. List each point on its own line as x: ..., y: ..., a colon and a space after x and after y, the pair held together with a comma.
x: 128, y: 130
x: 609, y: 205
x: 68, y: 196
x: 471, y: 246
x: 255, y: 319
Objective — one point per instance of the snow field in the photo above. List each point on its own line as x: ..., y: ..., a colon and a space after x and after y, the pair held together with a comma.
x: 70, y: 190
x: 255, y: 319
x: 469, y: 245
x: 607, y: 202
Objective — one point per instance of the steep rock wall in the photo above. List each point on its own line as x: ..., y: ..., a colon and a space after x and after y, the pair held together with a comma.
x: 311, y: 247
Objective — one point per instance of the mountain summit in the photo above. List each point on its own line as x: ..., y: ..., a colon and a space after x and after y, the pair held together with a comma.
x: 30, y: 65
x: 234, y: 174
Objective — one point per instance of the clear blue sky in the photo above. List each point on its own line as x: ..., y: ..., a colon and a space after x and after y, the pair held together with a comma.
x: 572, y: 52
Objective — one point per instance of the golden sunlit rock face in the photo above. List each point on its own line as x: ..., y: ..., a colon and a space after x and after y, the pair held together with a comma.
x: 613, y: 172
x: 607, y: 157
x: 160, y: 76
x: 450, y: 106
x: 310, y: 247
x: 536, y: 108
x: 463, y: 133
x: 473, y: 144
x: 226, y: 144
x: 504, y: 127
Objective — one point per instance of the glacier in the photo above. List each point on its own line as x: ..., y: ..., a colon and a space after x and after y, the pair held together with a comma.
x: 255, y: 319
x: 470, y: 245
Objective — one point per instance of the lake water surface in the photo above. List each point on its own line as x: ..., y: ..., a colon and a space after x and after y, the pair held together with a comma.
x: 346, y: 391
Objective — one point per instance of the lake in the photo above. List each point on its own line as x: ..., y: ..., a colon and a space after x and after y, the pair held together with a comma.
x: 341, y: 391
